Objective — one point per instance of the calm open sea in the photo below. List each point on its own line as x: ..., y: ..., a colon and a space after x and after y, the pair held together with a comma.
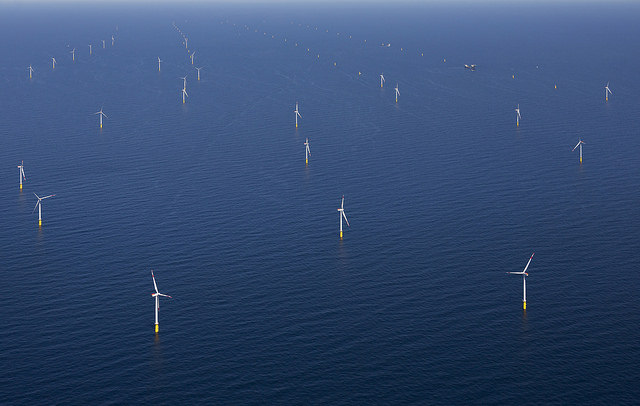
x: 443, y: 192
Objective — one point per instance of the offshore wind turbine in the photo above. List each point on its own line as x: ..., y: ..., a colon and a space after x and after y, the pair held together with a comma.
x: 39, y: 207
x: 159, y: 60
x: 382, y: 79
x: 53, y: 62
x: 397, y: 92
x: 103, y: 45
x: 184, y: 93
x: 73, y: 54
x: 157, y: 296
x: 101, y: 114
x: 524, y: 282
x: 90, y: 47
x: 307, y: 152
x: 198, y: 69
x: 30, y: 72
x: 186, y: 41
x: 192, y: 55
x: 21, y: 173
x: 607, y: 92
x: 579, y: 144
x: 518, y: 116
x: 297, y: 114
x: 341, y: 215
x: 184, y: 82
x: 112, y: 40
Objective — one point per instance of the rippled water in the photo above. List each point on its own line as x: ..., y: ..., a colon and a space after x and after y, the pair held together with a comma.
x: 444, y: 195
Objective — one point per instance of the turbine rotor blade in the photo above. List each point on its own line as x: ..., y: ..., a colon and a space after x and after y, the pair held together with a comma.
x: 525, y: 268
x: 154, y: 282
x: 345, y: 218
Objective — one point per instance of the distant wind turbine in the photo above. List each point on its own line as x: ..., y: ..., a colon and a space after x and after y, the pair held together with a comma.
x: 184, y: 93
x: 184, y: 82
x: 518, y: 116
x: 53, y: 62
x: 157, y: 296
x: 73, y: 54
x: 101, y: 115
x: 297, y: 114
x: 112, y: 40
x: 90, y: 47
x: 159, y: 60
x: 397, y: 92
x: 39, y: 207
x: 30, y: 72
x: 21, y: 173
x: 307, y: 152
x: 341, y: 214
x: 382, y: 79
x: 579, y: 144
x: 607, y: 92
x: 524, y: 282
x: 198, y: 69
x: 103, y: 45
x: 192, y: 55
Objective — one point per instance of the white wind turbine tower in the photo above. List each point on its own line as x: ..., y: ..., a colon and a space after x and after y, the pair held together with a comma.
x: 579, y: 144
x: 341, y: 214
x: 518, y: 116
x: 382, y: 79
x: 21, y: 173
x: 53, y: 62
x: 307, y: 152
x: 30, y: 72
x: 157, y: 296
x: 90, y: 49
x: 103, y: 45
x: 101, y: 113
x: 186, y: 41
x: 159, y: 60
x: 39, y: 207
x: 184, y: 82
x: 112, y: 40
x: 198, y: 69
x: 192, y: 55
x: 397, y: 92
x: 524, y: 282
x: 297, y: 114
x: 607, y: 92
x: 73, y: 54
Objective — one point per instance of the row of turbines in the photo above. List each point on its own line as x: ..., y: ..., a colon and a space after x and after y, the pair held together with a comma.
x: 54, y: 62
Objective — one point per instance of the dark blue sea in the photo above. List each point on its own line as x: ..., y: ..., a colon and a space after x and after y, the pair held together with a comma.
x: 443, y: 192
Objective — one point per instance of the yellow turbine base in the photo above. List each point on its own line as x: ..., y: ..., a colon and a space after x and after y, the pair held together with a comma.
x: 101, y: 126
x: 39, y: 222
x: 580, y: 159
x: 306, y: 161
x: 156, y: 329
x: 21, y: 186
x: 341, y: 235
x: 517, y: 124
x: 524, y: 305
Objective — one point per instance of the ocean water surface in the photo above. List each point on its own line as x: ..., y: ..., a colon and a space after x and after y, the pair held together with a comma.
x: 444, y: 194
